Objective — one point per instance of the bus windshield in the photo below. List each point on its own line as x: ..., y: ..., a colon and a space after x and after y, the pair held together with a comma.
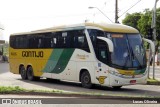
x: 128, y: 52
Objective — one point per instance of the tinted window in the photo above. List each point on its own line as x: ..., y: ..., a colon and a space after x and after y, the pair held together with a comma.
x: 80, y: 40
x: 64, y: 39
x: 93, y: 33
x: 19, y: 41
x: 44, y: 40
x: 12, y: 41
x: 33, y: 41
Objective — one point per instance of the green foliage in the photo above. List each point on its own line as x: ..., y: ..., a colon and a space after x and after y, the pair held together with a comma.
x: 132, y: 19
x: 6, y: 90
x: 17, y: 89
x: 145, y: 22
x: 142, y: 21
x: 5, y: 49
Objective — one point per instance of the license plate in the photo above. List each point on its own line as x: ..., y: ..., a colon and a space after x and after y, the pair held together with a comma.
x: 133, y: 81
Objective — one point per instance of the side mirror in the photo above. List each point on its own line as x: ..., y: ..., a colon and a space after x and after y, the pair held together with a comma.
x: 109, y: 42
x: 151, y: 43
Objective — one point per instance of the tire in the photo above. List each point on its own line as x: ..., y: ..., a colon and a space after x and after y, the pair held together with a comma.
x: 86, y: 80
x: 117, y: 87
x: 30, y: 75
x: 36, y: 78
x: 23, y: 72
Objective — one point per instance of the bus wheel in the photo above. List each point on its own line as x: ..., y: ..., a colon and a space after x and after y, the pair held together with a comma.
x: 23, y: 72
x: 117, y: 87
x: 86, y: 80
x: 30, y: 74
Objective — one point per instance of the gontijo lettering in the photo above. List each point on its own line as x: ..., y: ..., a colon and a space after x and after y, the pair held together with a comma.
x: 32, y: 54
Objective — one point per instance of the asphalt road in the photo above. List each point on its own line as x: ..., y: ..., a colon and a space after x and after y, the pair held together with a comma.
x: 9, y: 79
x: 4, y: 67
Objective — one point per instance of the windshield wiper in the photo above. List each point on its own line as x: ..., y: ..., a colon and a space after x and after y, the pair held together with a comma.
x: 134, y: 57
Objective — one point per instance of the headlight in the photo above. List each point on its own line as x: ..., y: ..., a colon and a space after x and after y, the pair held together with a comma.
x: 114, y: 72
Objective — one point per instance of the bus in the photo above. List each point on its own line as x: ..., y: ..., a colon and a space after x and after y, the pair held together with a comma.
x: 90, y: 53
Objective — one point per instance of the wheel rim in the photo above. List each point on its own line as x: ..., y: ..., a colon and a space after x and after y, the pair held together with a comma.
x: 29, y: 73
x: 86, y: 79
x: 22, y: 72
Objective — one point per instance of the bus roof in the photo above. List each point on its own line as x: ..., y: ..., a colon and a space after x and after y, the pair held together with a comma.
x: 117, y: 28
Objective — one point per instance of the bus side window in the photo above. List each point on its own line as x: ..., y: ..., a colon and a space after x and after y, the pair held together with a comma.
x: 61, y: 40
x: 72, y: 39
x: 54, y: 40
x: 33, y: 41
x: 81, y: 43
x: 93, y: 33
x: 102, y: 51
x: 81, y: 40
x: 40, y: 45
x: 44, y: 40
x: 12, y: 41
x: 67, y: 39
x: 20, y: 42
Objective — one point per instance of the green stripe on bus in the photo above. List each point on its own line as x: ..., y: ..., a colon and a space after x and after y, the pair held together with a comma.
x: 63, y: 61
x: 140, y: 71
x: 52, y: 61
x: 58, y: 60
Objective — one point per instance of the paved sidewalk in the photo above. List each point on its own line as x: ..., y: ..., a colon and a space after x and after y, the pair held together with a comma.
x: 157, y: 72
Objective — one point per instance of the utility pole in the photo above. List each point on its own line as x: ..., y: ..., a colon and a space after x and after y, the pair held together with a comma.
x: 116, y: 11
x: 153, y: 26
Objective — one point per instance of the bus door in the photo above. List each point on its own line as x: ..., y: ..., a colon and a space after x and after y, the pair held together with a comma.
x: 102, y: 55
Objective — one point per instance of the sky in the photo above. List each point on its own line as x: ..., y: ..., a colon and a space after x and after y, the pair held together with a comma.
x: 27, y: 15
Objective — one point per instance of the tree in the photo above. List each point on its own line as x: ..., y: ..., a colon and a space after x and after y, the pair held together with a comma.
x: 144, y: 24
x: 132, y: 19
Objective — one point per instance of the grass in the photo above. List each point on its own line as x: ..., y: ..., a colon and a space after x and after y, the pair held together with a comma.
x: 152, y: 80
x: 6, y: 90
x: 18, y: 90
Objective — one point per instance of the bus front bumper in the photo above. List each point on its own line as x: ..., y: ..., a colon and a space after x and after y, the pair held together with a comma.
x: 120, y: 81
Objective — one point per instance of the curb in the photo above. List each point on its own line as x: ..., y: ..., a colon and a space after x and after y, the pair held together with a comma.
x: 70, y: 95
x: 62, y: 95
